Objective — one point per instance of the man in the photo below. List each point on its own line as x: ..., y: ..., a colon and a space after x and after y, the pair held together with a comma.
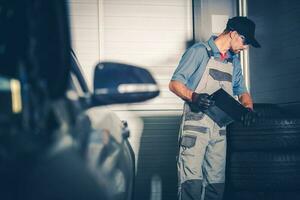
x: 203, y: 69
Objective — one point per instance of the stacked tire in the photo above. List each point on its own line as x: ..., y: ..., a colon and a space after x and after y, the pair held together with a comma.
x: 264, y: 159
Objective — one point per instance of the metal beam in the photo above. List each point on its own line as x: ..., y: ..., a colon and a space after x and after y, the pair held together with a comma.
x: 243, y: 11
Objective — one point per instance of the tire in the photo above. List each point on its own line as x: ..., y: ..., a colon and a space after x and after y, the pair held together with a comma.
x: 264, y: 171
x: 130, y: 169
x: 262, y: 195
x: 266, y: 135
x: 269, y: 110
x: 126, y: 166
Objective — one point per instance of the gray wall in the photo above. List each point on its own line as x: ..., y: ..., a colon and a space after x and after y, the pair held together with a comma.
x: 275, y: 68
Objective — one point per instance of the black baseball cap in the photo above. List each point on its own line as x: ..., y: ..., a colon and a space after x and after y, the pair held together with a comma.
x: 245, y: 27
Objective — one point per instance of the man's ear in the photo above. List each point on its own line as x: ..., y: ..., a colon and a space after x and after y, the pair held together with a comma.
x: 232, y: 34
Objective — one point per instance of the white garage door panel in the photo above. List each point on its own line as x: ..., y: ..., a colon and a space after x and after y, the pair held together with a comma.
x: 165, y: 94
x: 162, y: 71
x: 86, y: 35
x: 155, y: 107
x: 112, y: 35
x: 85, y: 47
x: 82, y: 46
x: 144, y: 11
x: 170, y: 100
x: 84, y: 22
x: 84, y: 1
x: 84, y: 8
x: 147, y: 2
x: 134, y: 51
x: 156, y: 54
x: 155, y: 60
x: 142, y: 60
x: 146, y: 46
x: 145, y: 23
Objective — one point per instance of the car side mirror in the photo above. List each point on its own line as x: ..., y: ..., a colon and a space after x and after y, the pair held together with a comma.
x: 121, y: 83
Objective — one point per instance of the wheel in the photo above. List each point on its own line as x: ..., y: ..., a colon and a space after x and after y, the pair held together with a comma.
x: 124, y: 174
x: 130, y: 170
x: 132, y: 174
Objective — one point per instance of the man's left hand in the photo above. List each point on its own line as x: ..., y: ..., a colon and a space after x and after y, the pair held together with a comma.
x: 250, y: 117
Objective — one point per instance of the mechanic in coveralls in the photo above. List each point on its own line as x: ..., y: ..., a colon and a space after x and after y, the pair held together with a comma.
x: 203, y: 69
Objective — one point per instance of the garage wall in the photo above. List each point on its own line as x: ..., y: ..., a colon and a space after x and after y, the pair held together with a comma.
x: 275, y: 68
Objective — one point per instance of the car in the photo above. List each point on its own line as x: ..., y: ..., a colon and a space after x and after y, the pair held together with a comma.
x: 57, y: 141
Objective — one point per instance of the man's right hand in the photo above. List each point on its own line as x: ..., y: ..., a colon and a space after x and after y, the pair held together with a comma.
x: 201, y: 101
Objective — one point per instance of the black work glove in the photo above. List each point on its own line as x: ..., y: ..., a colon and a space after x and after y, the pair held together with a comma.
x: 201, y: 102
x: 250, y: 117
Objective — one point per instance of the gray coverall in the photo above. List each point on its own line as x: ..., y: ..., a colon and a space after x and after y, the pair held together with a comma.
x: 202, y: 154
